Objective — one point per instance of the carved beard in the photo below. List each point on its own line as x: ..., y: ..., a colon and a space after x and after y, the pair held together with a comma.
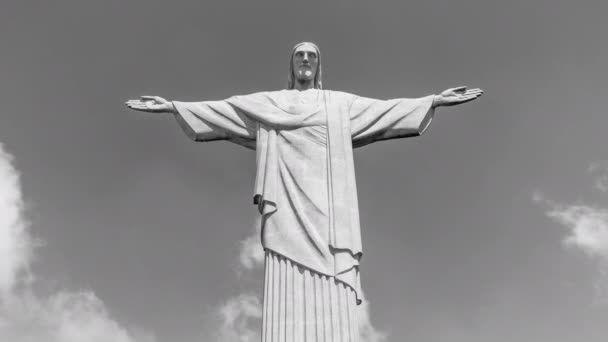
x: 306, y: 73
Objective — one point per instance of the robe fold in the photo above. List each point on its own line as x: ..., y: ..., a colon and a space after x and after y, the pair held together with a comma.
x: 305, y: 185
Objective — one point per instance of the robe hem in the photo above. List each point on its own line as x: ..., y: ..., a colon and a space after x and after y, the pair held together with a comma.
x: 337, y: 280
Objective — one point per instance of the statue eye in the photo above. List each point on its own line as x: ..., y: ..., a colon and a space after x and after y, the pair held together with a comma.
x: 299, y: 54
x: 312, y: 55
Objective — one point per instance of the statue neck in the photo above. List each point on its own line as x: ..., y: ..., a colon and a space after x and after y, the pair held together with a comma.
x: 304, y: 84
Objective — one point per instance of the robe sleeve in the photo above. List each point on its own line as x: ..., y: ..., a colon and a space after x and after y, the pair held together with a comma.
x: 216, y: 120
x: 375, y: 120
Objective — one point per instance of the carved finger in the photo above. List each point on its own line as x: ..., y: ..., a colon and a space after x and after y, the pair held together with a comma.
x: 152, y: 99
x: 139, y: 106
x: 468, y: 99
x: 142, y: 107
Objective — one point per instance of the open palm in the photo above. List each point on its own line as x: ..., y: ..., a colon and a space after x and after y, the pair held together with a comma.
x: 151, y: 104
x: 455, y: 96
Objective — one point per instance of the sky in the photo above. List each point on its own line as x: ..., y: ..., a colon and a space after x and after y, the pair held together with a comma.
x: 493, y: 225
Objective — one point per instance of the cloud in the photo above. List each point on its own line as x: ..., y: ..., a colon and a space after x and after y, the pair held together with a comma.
x: 367, y: 331
x: 251, y: 254
x: 15, y: 242
x: 241, y: 315
x: 600, y: 171
x: 64, y: 316
x: 587, y: 226
x: 241, y: 319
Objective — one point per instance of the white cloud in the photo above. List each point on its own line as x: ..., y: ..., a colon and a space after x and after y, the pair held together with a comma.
x: 62, y: 317
x: 588, y: 228
x: 587, y: 225
x: 600, y: 171
x: 251, y: 254
x: 587, y: 231
x: 27, y: 317
x: 241, y: 319
x: 367, y: 332
x: 15, y: 243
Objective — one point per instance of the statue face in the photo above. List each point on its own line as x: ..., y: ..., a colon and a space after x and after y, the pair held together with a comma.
x: 305, y: 62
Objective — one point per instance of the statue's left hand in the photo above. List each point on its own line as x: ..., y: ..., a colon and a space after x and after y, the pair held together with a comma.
x: 151, y: 104
x: 456, y: 96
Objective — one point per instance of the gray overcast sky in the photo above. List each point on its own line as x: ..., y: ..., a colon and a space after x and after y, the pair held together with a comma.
x: 455, y: 247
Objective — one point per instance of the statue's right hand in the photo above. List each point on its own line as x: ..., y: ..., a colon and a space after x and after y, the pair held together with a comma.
x: 151, y: 104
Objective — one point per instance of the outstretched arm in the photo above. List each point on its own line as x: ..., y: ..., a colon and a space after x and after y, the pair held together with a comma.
x: 203, y: 121
x: 375, y: 120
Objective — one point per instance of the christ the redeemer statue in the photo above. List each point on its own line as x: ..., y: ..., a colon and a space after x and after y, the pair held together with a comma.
x: 305, y: 186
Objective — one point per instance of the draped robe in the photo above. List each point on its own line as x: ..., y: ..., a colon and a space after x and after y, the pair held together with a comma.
x: 305, y: 186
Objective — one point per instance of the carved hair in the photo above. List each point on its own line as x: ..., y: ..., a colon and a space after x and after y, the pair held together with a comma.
x: 291, y: 79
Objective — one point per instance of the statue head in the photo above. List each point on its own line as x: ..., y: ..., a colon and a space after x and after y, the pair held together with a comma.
x: 305, y: 65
